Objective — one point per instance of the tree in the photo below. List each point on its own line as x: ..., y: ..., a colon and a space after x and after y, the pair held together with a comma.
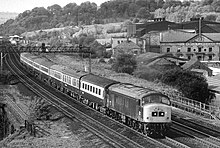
x: 211, y: 17
x: 143, y: 13
x: 192, y: 85
x: 124, y: 63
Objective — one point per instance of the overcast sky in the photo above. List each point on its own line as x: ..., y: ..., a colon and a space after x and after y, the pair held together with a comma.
x: 20, y: 6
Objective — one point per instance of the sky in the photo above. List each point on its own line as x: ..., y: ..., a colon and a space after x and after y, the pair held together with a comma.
x: 20, y: 6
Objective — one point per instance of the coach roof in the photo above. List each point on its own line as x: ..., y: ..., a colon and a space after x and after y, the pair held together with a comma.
x: 131, y: 90
x: 74, y: 73
x: 97, y: 80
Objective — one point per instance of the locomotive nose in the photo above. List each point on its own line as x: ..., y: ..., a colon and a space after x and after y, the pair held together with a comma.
x: 157, y: 113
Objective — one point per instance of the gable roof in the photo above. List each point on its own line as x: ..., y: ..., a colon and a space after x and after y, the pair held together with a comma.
x: 149, y: 57
x: 183, y: 37
x: 174, y: 36
x: 213, y: 36
x: 128, y: 45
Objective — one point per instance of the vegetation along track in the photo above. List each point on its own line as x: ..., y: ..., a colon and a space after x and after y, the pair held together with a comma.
x: 21, y: 116
x: 113, y: 132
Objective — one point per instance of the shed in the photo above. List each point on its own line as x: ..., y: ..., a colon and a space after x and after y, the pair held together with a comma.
x: 194, y: 64
x: 126, y: 47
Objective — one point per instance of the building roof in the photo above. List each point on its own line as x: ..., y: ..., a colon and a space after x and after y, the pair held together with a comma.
x: 176, y: 36
x: 213, y: 36
x: 194, y: 24
x: 214, y: 27
x: 183, y: 37
x: 190, y: 63
x: 214, y: 84
x: 151, y: 58
x: 128, y: 45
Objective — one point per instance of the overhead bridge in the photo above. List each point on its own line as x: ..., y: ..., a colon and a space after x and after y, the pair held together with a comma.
x: 50, y: 49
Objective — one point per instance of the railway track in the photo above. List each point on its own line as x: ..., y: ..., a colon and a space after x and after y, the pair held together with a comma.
x: 21, y: 116
x: 127, y: 138
x: 119, y: 132
x: 205, y: 127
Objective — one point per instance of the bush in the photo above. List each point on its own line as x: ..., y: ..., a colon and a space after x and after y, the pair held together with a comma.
x: 191, y: 84
x: 124, y: 63
x: 148, y: 74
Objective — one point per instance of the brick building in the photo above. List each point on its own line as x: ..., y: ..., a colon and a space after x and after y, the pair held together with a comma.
x: 204, y: 46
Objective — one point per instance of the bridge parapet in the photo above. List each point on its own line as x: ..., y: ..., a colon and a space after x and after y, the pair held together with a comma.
x: 54, y: 49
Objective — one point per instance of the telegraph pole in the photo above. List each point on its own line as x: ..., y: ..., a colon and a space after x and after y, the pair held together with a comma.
x: 90, y: 62
x: 1, y: 50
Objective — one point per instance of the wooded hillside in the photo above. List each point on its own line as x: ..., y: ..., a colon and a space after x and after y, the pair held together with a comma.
x: 112, y: 11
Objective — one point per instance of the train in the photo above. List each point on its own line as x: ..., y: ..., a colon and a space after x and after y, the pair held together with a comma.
x: 142, y: 109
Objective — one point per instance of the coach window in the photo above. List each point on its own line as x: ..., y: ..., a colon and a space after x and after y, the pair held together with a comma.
x: 74, y: 82
x: 210, y: 49
x: 83, y: 85
x: 91, y: 88
x: 99, y: 91
x: 168, y: 49
x: 88, y: 87
x: 96, y: 90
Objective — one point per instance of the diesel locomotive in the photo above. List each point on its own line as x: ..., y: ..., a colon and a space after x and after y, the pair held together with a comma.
x: 143, y: 109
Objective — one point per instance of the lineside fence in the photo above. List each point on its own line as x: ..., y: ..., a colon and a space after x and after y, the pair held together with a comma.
x: 196, y: 107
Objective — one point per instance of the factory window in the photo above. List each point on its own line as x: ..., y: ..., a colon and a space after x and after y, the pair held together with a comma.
x: 189, y: 49
x: 168, y: 49
x: 210, y: 49
x: 204, y: 50
x: 199, y: 49
x: 210, y: 57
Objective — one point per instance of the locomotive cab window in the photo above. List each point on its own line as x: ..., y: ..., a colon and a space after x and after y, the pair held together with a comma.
x: 156, y: 99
